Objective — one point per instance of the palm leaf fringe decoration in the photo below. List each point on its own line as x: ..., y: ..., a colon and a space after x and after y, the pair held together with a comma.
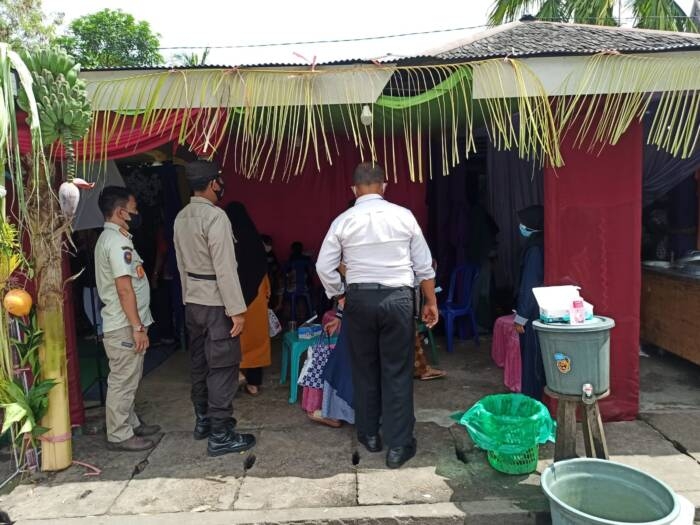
x: 615, y: 90
x: 278, y: 121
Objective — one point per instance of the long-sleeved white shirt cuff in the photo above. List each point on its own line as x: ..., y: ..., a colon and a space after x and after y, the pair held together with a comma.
x: 519, y: 319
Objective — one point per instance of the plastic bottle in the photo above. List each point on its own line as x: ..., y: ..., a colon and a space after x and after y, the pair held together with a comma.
x: 578, y: 312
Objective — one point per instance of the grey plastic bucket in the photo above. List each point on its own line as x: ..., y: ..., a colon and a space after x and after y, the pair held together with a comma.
x: 589, y: 491
x: 574, y: 355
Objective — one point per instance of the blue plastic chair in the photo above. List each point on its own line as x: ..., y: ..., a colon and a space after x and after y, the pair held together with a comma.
x: 292, y: 350
x: 459, y: 303
x: 302, y: 270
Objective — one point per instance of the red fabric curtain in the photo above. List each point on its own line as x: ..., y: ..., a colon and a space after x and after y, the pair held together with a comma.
x: 129, y: 138
x: 303, y: 208
x: 593, y: 208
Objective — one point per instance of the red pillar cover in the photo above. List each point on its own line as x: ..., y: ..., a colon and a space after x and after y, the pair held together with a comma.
x: 75, y: 395
x: 593, y: 215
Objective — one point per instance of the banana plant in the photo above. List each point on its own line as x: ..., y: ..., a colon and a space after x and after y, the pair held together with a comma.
x: 65, y: 114
x: 57, y: 106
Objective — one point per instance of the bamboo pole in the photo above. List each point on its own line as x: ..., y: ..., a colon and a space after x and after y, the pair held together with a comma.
x: 47, y: 248
x: 56, y: 449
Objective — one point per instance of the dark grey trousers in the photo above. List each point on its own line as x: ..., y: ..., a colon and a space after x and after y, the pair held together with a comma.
x: 214, y: 357
x: 380, y: 328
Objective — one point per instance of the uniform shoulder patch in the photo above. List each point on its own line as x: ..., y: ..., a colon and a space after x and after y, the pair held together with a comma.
x: 128, y: 257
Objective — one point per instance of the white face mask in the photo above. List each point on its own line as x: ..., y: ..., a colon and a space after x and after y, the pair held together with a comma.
x: 268, y: 249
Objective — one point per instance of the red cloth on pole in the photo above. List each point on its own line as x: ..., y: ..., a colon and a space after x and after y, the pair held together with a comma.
x: 75, y: 395
x: 593, y: 216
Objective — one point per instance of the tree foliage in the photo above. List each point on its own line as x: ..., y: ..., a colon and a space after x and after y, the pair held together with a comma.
x: 192, y: 59
x: 665, y: 15
x: 112, y: 38
x: 23, y: 23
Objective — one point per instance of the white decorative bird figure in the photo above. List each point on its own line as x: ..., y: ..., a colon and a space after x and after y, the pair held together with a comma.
x: 69, y: 195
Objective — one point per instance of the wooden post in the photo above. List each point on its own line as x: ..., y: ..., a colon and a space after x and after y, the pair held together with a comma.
x: 591, y: 423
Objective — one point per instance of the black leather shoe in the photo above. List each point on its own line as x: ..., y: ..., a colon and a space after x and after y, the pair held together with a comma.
x: 371, y: 443
x: 202, y: 425
x: 397, y: 456
x: 223, y: 438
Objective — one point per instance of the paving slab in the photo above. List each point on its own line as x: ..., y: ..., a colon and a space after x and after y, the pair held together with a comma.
x: 294, y: 492
x: 162, y: 495
x: 415, y: 482
x: 89, y: 498
x: 180, y: 456
x: 310, y: 451
x: 114, y: 465
x: 439, y: 514
x: 682, y: 428
x: 668, y: 383
x: 402, y: 486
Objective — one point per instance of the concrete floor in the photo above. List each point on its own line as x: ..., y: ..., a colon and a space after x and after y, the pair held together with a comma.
x: 304, y: 472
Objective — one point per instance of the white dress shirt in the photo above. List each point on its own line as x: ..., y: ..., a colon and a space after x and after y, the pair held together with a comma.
x: 379, y: 242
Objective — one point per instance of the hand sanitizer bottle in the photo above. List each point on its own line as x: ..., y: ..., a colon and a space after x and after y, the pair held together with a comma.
x: 577, y: 315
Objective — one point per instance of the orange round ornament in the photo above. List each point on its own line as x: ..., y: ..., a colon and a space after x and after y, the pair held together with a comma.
x: 17, y: 302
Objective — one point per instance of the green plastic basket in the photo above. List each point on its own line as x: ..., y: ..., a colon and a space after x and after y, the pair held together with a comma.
x: 522, y: 463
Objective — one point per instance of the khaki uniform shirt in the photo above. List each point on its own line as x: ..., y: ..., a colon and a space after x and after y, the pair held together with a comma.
x: 206, y: 258
x: 115, y: 257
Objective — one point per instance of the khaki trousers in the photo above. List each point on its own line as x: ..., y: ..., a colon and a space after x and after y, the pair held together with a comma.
x: 125, y: 371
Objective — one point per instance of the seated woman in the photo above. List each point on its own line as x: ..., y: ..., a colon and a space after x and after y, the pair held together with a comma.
x: 326, y: 376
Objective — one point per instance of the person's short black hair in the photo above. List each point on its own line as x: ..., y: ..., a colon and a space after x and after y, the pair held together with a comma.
x: 368, y: 173
x: 297, y: 247
x: 111, y: 198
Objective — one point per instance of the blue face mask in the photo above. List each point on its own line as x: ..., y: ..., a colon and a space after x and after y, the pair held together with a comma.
x: 525, y: 231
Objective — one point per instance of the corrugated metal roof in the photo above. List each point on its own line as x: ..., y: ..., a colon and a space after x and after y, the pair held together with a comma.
x: 518, y: 39
x: 534, y: 38
x: 301, y: 63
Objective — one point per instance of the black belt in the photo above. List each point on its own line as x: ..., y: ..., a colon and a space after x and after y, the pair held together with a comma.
x: 375, y: 286
x: 201, y: 277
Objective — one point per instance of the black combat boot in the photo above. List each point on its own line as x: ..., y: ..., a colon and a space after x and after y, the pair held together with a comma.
x: 225, y: 440
x: 202, y: 425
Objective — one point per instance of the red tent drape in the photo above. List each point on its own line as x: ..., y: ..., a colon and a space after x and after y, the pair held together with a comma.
x: 128, y: 138
x: 593, y: 209
x: 303, y: 208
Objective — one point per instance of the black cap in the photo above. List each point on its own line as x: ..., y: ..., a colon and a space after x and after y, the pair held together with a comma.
x: 532, y: 217
x: 201, y: 171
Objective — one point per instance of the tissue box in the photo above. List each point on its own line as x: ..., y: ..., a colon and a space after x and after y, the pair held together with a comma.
x: 555, y: 302
x: 309, y: 331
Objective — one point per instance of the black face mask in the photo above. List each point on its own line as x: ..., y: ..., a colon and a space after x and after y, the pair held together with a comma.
x: 134, y: 221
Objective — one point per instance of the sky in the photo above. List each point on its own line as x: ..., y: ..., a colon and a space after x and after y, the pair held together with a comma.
x: 254, y: 22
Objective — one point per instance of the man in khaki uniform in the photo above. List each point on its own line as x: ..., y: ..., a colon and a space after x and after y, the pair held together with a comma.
x: 214, y: 308
x: 123, y: 288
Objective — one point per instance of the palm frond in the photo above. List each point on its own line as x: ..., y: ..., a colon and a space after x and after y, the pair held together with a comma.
x: 504, y: 11
x: 665, y: 15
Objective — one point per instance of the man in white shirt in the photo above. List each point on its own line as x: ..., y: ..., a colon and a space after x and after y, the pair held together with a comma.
x: 384, y: 252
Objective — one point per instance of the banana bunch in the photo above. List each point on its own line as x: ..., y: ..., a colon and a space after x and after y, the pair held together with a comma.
x: 64, y: 110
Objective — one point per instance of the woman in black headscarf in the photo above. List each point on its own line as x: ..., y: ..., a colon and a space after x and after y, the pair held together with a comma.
x: 255, y: 284
x: 531, y: 276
